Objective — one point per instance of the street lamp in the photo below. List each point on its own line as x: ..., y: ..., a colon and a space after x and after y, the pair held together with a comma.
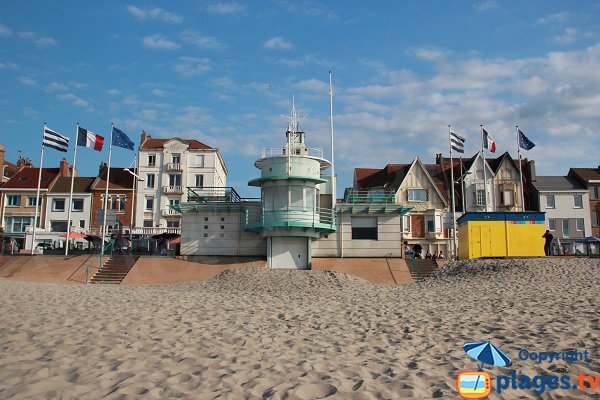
x: 461, y: 179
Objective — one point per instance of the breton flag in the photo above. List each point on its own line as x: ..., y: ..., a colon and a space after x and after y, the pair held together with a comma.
x: 119, y: 138
x: 55, y: 140
x: 524, y: 142
x: 488, y: 141
x: 457, y: 142
x: 89, y: 139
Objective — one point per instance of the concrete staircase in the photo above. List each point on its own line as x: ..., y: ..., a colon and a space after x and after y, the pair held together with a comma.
x: 114, y: 270
x: 421, y: 269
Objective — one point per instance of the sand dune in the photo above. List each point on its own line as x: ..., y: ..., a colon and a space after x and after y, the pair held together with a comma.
x: 250, y: 334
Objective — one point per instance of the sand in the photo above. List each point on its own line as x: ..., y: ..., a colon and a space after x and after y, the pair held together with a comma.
x: 252, y: 334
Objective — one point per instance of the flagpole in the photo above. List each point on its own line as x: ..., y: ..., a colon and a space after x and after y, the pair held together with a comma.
x: 71, y: 192
x: 106, y: 190
x: 462, y: 186
x: 520, y: 171
x: 454, y: 246
x: 484, y: 172
x: 333, y: 180
x: 37, y: 196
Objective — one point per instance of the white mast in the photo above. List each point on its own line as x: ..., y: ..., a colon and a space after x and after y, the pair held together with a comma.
x: 484, y: 172
x: 452, y: 189
x: 70, y: 205
x: 106, y: 190
x: 520, y: 170
x: 37, y: 196
x: 333, y: 180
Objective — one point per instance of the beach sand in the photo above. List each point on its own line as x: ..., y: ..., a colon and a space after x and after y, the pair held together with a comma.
x: 252, y: 334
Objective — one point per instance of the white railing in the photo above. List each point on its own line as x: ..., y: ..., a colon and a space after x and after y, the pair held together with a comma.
x: 296, y: 151
x: 172, y: 189
x: 174, y: 167
x: 169, y: 212
x: 155, y: 231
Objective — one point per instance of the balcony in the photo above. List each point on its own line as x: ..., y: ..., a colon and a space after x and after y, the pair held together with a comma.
x: 213, y: 195
x: 369, y: 196
x: 321, y: 219
x: 174, y: 167
x: 155, y: 231
x: 169, y: 212
x: 173, y: 189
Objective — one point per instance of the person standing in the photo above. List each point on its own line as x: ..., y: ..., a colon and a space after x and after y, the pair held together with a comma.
x: 548, y: 244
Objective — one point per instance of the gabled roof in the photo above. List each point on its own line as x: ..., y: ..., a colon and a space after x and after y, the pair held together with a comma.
x: 558, y: 183
x: 119, y: 180
x: 80, y: 184
x: 496, y: 163
x: 390, y: 177
x: 9, y: 169
x: 437, y: 170
x: 193, y: 144
x: 27, y: 178
x: 586, y: 174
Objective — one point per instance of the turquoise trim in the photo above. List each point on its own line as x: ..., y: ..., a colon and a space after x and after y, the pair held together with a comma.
x: 372, y: 209
x: 259, y: 181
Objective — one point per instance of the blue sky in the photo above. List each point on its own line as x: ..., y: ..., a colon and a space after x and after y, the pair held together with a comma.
x: 225, y: 72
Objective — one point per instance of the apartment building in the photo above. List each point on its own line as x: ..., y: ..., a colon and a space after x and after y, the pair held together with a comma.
x: 590, y: 179
x: 167, y: 169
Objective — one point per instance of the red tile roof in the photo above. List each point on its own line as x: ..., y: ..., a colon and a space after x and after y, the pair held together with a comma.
x: 160, y: 143
x: 119, y: 180
x: 27, y: 178
x: 586, y: 174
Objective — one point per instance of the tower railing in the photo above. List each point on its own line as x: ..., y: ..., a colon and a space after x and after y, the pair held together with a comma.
x: 375, y: 196
x: 319, y: 218
x: 296, y: 151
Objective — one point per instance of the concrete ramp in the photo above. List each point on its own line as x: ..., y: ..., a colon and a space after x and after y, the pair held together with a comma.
x: 58, y: 269
x: 384, y: 271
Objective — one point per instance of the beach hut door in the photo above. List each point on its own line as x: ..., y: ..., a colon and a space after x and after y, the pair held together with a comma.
x: 480, y: 241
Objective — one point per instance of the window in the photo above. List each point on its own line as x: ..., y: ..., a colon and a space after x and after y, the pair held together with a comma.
x: 596, y: 218
x: 206, y: 235
x: 176, y: 158
x: 82, y: 223
x: 200, y: 160
x: 364, y: 228
x: 565, y: 228
x: 579, y: 224
x: 199, y: 180
x: 58, y: 226
x: 550, y: 201
x: 13, y: 201
x: 222, y: 219
x: 148, y: 223
x: 31, y: 201
x: 205, y: 226
x: 578, y: 201
x: 152, y: 160
x: 58, y: 205
x: 117, y: 203
x: 150, y: 180
x: 417, y: 194
x: 17, y: 224
x: 77, y: 205
x: 552, y: 224
x: 173, y: 224
x: 430, y: 223
x: 481, y: 197
x: 149, y: 203
x: 507, y: 174
x: 175, y: 180
x: 205, y: 219
x: 406, y: 223
x: 174, y: 202
x: 508, y: 197
x: 593, y: 192
x: 222, y: 226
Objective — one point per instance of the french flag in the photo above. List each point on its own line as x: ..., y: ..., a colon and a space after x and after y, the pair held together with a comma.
x: 89, y: 139
x: 488, y: 141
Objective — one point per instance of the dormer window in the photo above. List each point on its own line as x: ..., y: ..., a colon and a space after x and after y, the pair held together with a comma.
x: 417, y: 195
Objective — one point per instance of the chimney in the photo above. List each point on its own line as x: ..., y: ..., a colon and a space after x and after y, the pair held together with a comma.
x: 532, y: 173
x: 101, y: 168
x: 144, y: 137
x: 72, y: 171
x: 438, y: 159
x: 21, y: 163
x: 63, y: 170
x: 1, y: 162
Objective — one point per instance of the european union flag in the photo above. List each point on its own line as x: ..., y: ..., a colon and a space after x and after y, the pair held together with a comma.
x: 119, y: 138
x: 525, y: 143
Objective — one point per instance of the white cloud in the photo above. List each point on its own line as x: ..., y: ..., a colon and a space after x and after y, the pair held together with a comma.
x: 154, y: 13
x: 201, y: 41
x: 159, y: 42
x: 45, y: 42
x: 226, y: 8
x: 27, y: 35
x: 158, y: 92
x: 192, y: 66
x: 113, y: 92
x: 569, y: 36
x: 278, y: 43
x: 26, y: 80
x: 554, y: 19
x: 5, y: 31
x: 489, y: 5
x: 430, y: 53
x: 8, y: 65
x: 313, y: 85
x: 78, y: 101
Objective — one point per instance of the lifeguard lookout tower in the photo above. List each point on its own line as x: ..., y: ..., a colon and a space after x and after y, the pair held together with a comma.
x: 291, y: 216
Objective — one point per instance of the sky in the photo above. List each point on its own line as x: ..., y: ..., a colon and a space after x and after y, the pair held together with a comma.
x: 224, y: 73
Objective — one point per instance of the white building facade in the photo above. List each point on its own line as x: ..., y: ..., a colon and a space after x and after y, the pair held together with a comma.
x: 167, y: 168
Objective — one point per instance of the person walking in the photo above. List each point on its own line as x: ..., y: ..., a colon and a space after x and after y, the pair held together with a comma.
x: 548, y: 244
